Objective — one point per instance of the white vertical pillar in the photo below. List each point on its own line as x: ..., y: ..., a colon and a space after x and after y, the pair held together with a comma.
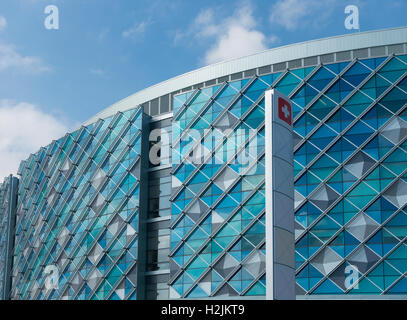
x: 280, y: 240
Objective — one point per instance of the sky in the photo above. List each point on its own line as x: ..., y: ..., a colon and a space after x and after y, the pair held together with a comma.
x: 52, y: 80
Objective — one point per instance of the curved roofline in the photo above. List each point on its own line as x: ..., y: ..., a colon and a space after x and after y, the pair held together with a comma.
x: 282, y: 54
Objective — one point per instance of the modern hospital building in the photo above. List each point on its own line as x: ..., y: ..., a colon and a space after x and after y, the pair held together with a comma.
x: 106, y: 213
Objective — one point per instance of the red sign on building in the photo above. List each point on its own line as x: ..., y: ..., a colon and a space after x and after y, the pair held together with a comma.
x: 285, y: 110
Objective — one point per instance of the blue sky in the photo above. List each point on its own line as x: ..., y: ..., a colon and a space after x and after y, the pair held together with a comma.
x: 105, y: 50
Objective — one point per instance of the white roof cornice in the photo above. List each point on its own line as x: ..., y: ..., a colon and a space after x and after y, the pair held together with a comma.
x: 301, y: 50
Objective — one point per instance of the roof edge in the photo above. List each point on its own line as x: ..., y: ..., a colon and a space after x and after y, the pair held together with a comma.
x: 282, y: 54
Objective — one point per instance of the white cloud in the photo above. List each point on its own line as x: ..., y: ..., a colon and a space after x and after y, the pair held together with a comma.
x: 135, y: 31
x: 3, y: 23
x: 292, y: 14
x: 24, y: 128
x: 233, y: 37
x: 10, y: 58
x: 102, y: 34
x: 230, y: 46
x: 205, y: 23
x: 97, y: 72
x: 274, y: 39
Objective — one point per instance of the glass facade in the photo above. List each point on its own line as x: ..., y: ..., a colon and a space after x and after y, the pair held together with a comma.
x: 167, y: 200
x: 78, y: 212
x: 350, y: 183
x: 218, y: 210
x: 8, y: 201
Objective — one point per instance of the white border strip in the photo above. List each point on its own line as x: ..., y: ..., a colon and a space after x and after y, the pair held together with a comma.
x: 269, y: 196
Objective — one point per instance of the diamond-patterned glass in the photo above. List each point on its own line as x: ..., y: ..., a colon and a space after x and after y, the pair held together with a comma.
x: 350, y: 183
x: 78, y: 214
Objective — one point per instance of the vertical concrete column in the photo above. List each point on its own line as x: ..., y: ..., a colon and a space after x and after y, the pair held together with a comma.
x: 8, y: 218
x: 280, y: 240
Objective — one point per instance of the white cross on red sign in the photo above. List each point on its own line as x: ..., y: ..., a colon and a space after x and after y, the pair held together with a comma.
x: 284, y: 110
